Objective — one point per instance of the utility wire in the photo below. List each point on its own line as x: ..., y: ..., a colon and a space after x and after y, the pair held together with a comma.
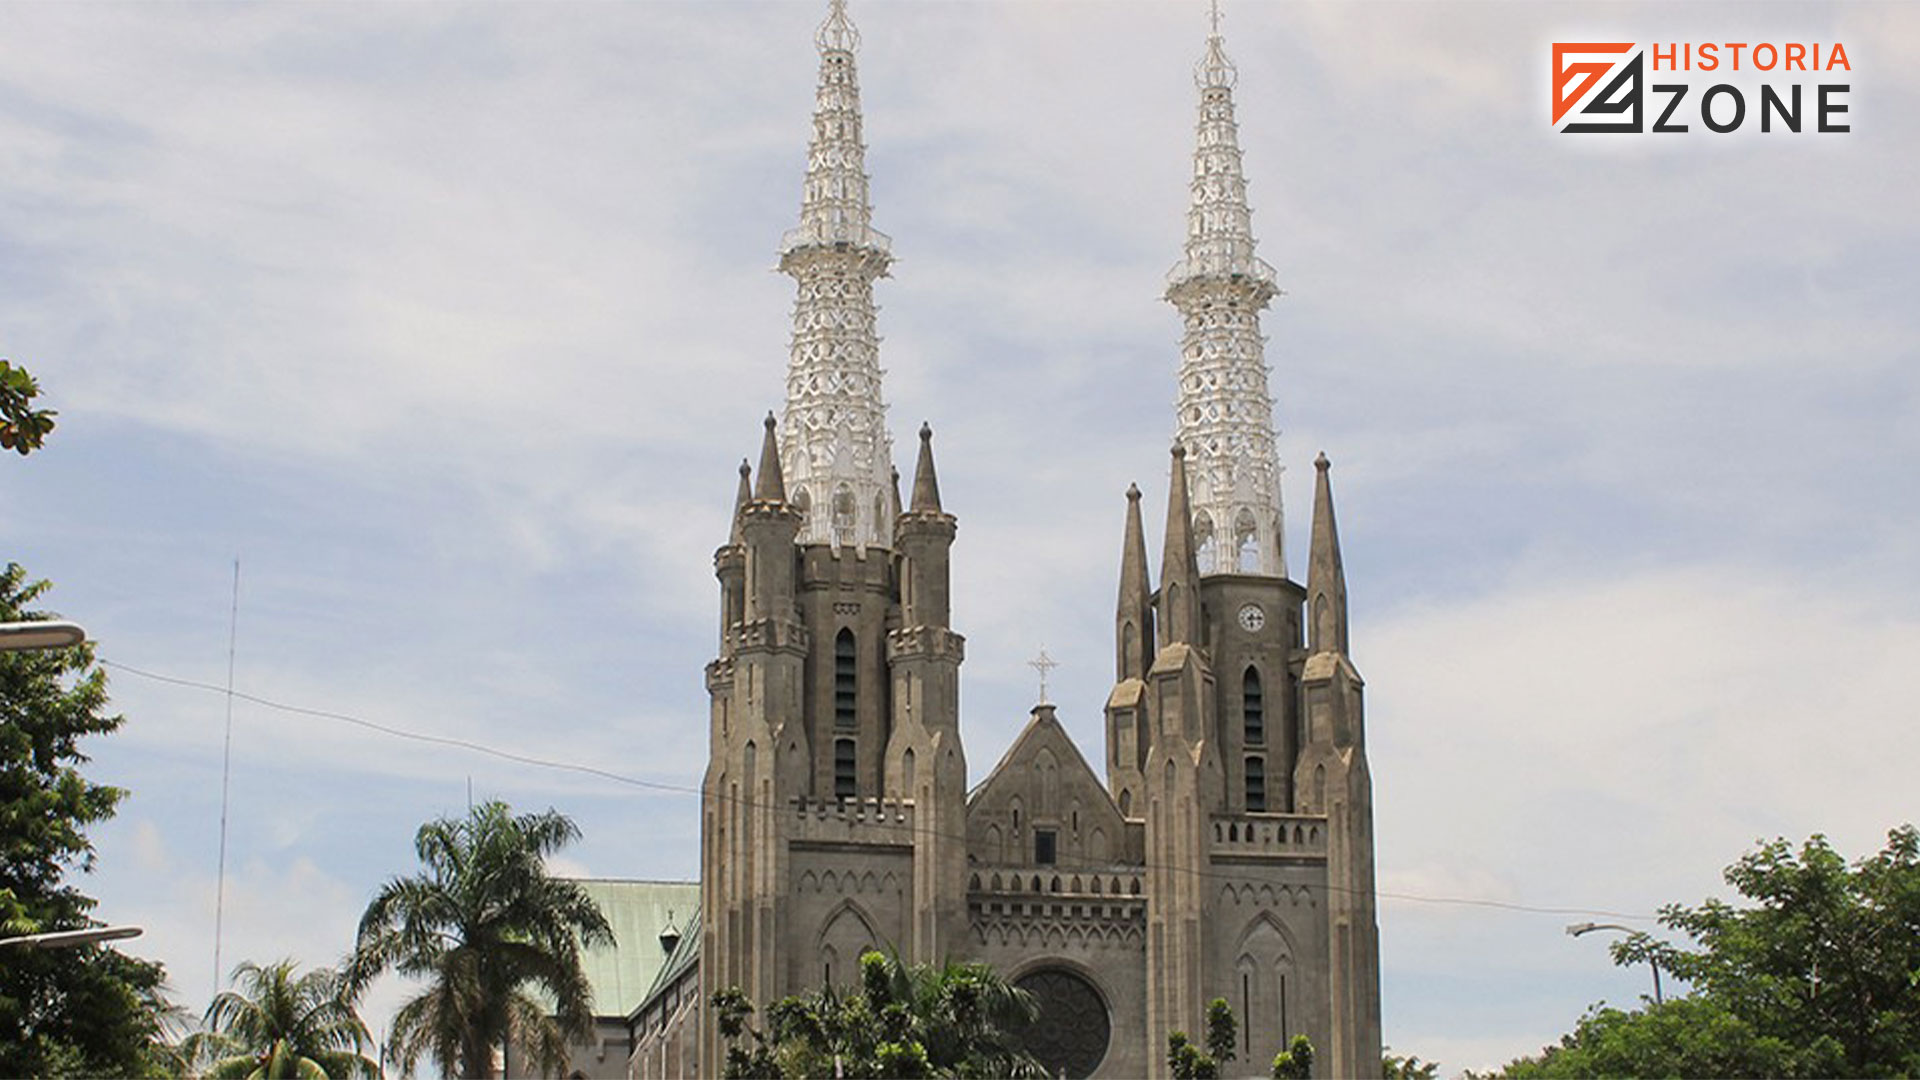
x: 1083, y: 867
x: 415, y: 736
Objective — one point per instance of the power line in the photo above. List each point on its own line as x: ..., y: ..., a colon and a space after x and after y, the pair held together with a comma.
x: 415, y: 736
x: 1084, y: 866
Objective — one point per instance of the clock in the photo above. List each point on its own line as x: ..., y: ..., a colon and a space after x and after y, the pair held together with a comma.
x: 1252, y: 618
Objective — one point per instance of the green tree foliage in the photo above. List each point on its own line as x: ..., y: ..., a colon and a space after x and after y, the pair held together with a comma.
x: 22, y: 427
x: 480, y: 925
x: 1689, y: 1036
x: 1410, y: 1067
x: 1818, y: 975
x: 1296, y: 1061
x: 903, y: 1021
x: 279, y: 1026
x: 87, y: 1010
x: 1189, y: 1062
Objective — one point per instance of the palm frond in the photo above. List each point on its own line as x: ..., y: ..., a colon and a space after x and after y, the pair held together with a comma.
x: 482, y: 920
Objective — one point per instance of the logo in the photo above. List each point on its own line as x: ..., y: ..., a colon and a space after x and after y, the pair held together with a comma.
x: 1601, y: 87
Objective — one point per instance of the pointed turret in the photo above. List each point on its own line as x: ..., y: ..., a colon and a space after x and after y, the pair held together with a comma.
x: 837, y: 450
x: 730, y: 566
x: 1326, y: 579
x: 773, y: 485
x: 925, y: 541
x: 768, y: 525
x: 1332, y: 779
x: 1128, y: 736
x: 1133, y: 623
x: 1179, y: 575
x: 740, y: 501
x: 926, y: 486
x: 926, y: 761
x: 1225, y: 416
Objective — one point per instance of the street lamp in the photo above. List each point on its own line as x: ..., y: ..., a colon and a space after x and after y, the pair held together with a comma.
x: 59, y: 939
x: 50, y: 634
x: 1588, y: 927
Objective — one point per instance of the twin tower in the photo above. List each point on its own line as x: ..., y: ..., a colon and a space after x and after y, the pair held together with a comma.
x: 1228, y: 853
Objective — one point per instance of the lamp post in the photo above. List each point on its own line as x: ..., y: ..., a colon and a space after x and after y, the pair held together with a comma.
x: 60, y: 939
x: 48, y: 634
x: 27, y: 637
x: 1588, y: 927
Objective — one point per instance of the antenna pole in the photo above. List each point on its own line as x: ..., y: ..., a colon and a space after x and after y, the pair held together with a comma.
x: 226, y: 773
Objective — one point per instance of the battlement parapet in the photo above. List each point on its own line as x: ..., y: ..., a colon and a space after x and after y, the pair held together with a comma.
x: 770, y: 635
x: 850, y: 821
x: 934, y: 641
x: 1105, y: 883
x: 1269, y: 836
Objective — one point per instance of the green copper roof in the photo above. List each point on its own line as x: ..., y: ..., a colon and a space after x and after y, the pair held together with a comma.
x: 637, y: 911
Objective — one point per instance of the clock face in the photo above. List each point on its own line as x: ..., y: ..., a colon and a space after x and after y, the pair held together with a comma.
x: 1252, y: 618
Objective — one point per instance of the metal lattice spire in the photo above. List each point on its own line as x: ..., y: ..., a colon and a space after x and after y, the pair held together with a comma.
x: 1225, y: 417
x: 835, y: 449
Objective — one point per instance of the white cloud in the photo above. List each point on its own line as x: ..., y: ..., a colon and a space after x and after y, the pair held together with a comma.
x: 453, y: 322
x: 1610, y: 745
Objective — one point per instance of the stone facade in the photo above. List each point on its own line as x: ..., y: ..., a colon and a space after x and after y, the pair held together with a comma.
x: 1228, y: 850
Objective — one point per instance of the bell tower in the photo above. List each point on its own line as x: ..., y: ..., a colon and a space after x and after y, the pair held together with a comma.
x: 835, y: 738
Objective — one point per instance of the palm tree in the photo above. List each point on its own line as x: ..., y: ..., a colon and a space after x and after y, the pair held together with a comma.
x: 481, y: 923
x: 279, y: 1027
x: 903, y: 1020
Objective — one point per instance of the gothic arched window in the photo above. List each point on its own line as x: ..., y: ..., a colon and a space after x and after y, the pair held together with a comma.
x: 846, y: 660
x: 1253, y: 708
x: 1256, y: 785
x: 843, y: 513
x: 844, y: 765
x: 1246, y: 544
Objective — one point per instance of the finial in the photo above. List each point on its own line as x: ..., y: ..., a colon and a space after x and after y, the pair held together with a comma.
x: 1179, y: 451
x: 837, y: 33
x: 1133, y: 492
x: 1043, y: 664
x: 1215, y: 71
x: 1321, y: 462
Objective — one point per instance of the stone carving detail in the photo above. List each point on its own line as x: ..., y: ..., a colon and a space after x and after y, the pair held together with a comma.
x: 1070, y: 1037
x: 834, y: 445
x: 1225, y: 413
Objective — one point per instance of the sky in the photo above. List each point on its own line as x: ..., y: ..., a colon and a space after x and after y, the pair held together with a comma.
x: 451, y: 324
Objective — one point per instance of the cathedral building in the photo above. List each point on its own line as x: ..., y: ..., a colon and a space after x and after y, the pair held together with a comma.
x: 1228, y: 850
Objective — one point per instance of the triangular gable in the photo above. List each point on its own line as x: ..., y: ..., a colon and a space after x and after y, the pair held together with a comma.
x: 1043, y: 732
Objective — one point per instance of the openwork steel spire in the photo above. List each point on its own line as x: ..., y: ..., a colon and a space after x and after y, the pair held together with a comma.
x: 1225, y: 418
x: 835, y: 448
